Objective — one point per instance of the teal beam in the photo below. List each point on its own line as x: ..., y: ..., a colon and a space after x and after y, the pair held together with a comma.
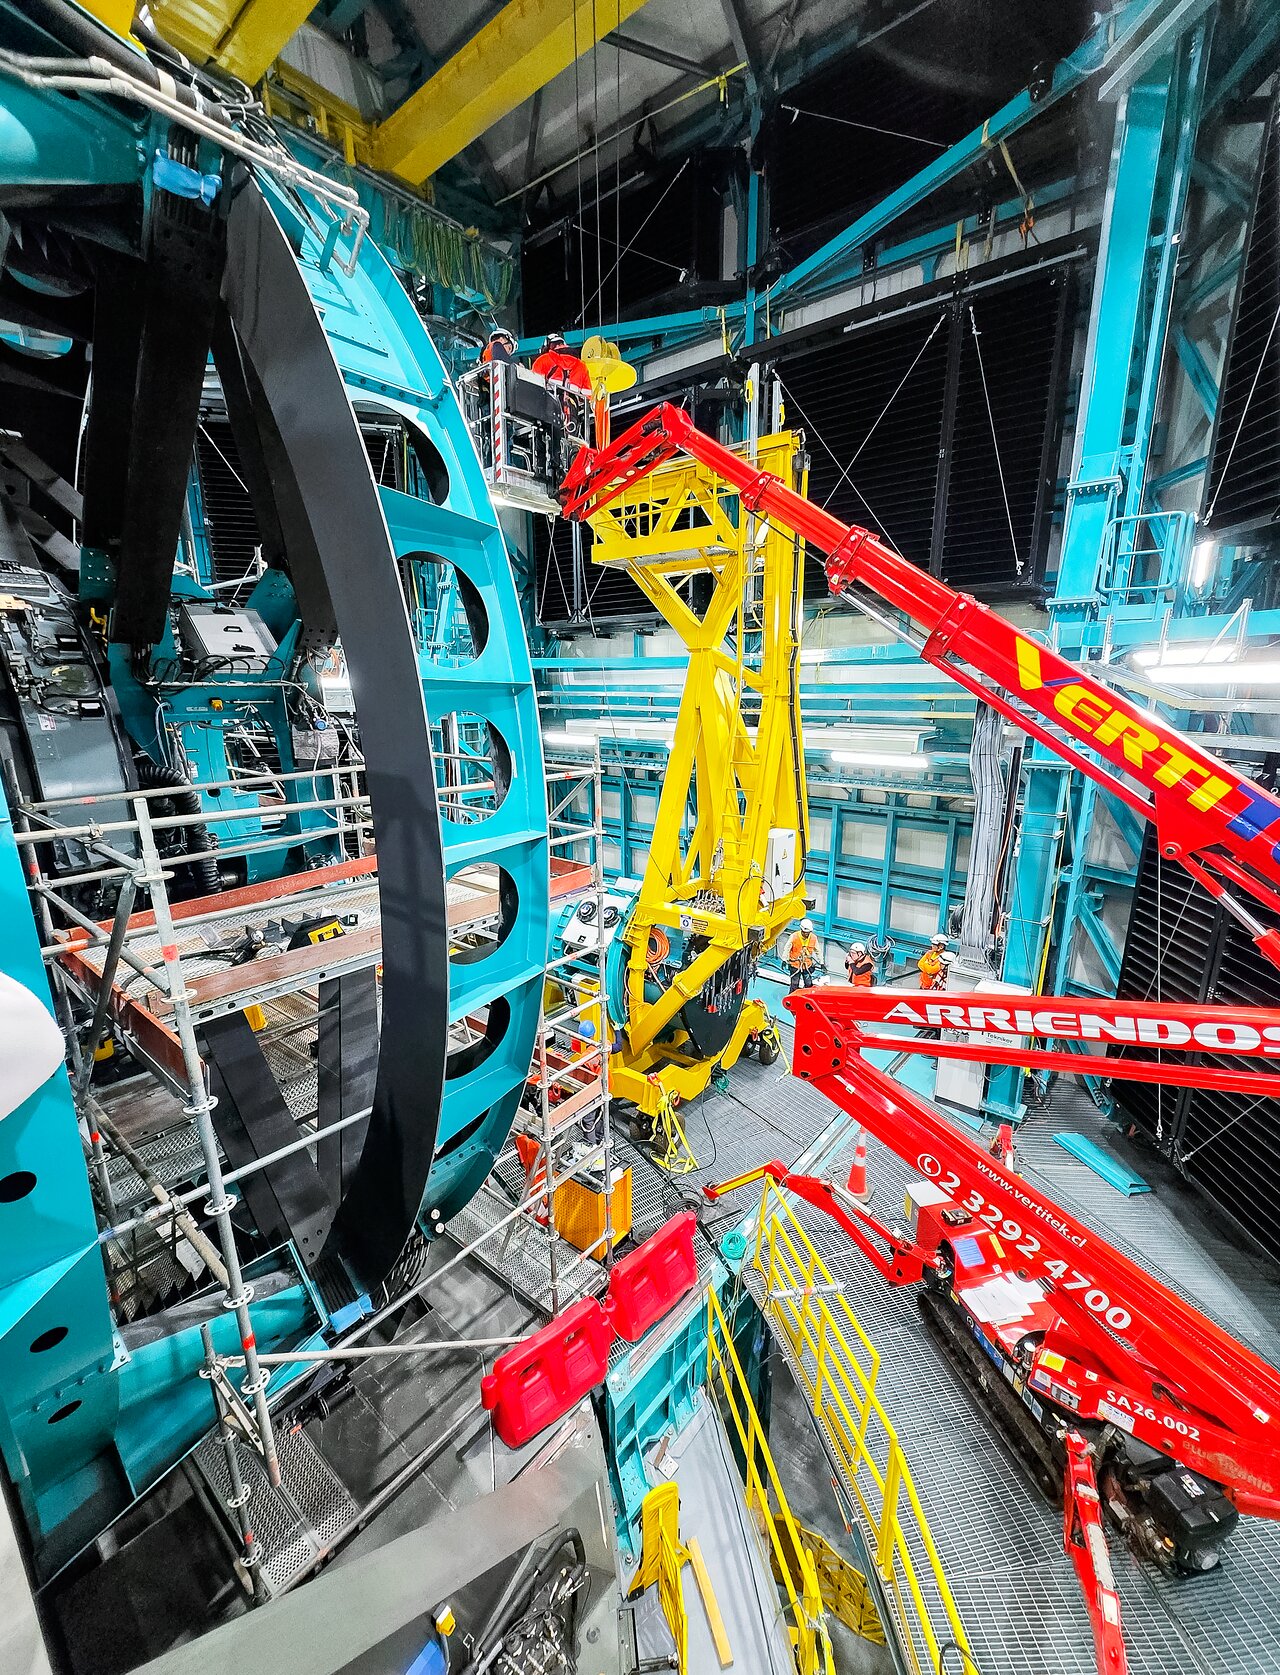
x: 1197, y: 370
x: 1103, y: 47
x: 1179, y: 474
x: 656, y: 326
x: 1211, y: 284
x: 1230, y: 187
x: 50, y: 139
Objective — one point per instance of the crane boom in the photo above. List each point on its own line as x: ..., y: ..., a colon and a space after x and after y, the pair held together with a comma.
x: 1126, y: 1324
x: 1219, y: 825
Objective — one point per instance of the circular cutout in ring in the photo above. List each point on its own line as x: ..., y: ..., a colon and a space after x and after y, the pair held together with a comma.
x: 474, y: 1039
x: 482, y: 902
x: 473, y: 767
x: 448, y: 616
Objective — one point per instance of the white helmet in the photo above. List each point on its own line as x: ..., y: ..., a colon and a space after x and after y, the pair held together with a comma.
x: 939, y: 941
x: 806, y: 925
x: 859, y: 948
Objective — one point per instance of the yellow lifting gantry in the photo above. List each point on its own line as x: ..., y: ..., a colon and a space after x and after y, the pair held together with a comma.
x: 725, y: 872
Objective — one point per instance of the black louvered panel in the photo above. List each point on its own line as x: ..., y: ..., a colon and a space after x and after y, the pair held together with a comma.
x: 1183, y: 947
x: 1230, y: 1143
x: 1010, y: 341
x: 604, y: 594
x: 918, y: 86
x: 1172, y: 926
x: 1242, y: 493
x: 871, y: 406
x: 231, y: 526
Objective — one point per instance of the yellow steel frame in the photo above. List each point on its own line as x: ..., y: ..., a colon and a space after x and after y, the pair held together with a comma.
x: 791, y: 1561
x: 838, y: 1367
x: 737, y: 755
x: 243, y: 37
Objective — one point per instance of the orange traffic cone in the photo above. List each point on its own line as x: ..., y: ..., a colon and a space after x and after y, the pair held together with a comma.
x: 858, y: 1169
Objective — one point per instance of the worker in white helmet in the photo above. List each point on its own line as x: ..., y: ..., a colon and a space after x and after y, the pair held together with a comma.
x: 932, y: 964
x: 802, y: 956
x: 859, y: 967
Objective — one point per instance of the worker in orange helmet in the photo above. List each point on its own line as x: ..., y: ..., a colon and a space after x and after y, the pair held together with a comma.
x: 859, y: 966
x: 559, y: 365
x: 501, y: 345
x: 932, y: 964
x: 802, y: 956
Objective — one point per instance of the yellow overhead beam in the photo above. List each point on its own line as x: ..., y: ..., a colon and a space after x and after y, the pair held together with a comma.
x: 243, y: 37
x: 526, y: 46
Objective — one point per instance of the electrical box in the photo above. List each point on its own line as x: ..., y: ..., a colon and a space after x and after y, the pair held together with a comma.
x: 780, y: 861
x: 229, y: 635
x: 960, y: 1082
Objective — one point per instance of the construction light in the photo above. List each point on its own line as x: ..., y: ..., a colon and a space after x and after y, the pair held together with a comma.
x: 1220, y: 674
x: 879, y: 758
x: 1175, y: 654
x: 1202, y: 561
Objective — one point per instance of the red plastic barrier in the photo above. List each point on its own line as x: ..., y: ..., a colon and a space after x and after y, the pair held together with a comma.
x: 537, y: 1381
x: 644, y: 1285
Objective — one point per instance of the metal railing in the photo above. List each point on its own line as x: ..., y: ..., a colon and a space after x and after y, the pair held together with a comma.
x: 1145, y: 556
x: 766, y: 1501
x: 838, y: 1366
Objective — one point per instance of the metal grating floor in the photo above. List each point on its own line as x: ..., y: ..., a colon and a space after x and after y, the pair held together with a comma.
x: 295, y: 1522
x: 1000, y: 1540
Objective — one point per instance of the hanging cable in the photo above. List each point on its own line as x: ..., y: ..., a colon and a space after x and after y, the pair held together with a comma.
x: 868, y: 127
x: 1244, y: 412
x: 995, y: 440
x: 630, y: 244
x: 595, y: 129
x: 888, y: 404
x: 812, y: 430
x: 577, y: 124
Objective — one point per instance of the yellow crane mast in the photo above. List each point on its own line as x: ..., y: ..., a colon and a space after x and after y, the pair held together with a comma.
x: 725, y: 873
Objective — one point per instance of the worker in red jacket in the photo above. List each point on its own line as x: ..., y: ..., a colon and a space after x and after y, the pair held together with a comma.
x: 559, y: 365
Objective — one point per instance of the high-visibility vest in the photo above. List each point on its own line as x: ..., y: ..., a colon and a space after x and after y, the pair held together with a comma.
x: 862, y: 970
x: 803, y: 951
x: 929, y: 965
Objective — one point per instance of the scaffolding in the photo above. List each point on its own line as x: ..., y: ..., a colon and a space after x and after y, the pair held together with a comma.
x: 566, y: 1115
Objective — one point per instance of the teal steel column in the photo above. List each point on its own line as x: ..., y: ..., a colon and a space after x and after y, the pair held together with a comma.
x: 1103, y: 460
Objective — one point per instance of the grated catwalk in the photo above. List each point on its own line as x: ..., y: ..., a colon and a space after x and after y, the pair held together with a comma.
x: 1000, y: 1540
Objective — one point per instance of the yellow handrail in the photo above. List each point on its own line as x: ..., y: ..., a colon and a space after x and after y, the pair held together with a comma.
x: 766, y: 1500
x: 838, y: 1366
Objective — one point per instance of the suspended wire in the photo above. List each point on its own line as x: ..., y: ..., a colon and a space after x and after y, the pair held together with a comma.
x: 812, y: 430
x: 617, y: 161
x: 868, y: 127
x: 630, y: 244
x: 937, y: 324
x: 1244, y: 411
x: 595, y: 129
x: 644, y: 255
x: 995, y: 440
x: 577, y: 124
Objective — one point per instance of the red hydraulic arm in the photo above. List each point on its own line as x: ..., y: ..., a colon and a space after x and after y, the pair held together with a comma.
x: 1251, y: 1032
x: 1190, y: 1387
x: 1221, y: 827
x: 1085, y: 1541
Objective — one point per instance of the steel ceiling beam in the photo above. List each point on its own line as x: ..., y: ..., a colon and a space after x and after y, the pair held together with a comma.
x: 1113, y: 42
x: 744, y: 51
x: 657, y: 55
x: 526, y: 46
